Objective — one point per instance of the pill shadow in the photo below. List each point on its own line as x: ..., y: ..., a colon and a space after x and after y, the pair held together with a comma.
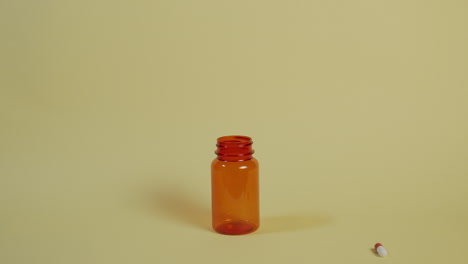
x: 375, y: 252
x: 292, y: 223
x: 180, y: 206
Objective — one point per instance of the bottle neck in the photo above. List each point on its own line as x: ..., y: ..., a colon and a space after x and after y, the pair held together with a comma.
x: 234, y: 148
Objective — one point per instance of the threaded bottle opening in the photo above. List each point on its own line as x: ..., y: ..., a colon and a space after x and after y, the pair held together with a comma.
x: 234, y: 148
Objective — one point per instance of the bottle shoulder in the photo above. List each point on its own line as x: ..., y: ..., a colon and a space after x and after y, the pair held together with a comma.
x: 251, y: 164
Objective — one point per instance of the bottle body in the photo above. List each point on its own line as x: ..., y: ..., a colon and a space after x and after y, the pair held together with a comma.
x: 235, y: 187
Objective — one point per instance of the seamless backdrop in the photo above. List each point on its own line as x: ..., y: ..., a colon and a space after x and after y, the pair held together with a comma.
x: 110, y: 110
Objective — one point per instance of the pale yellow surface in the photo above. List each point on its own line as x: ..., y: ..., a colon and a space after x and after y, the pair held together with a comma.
x: 110, y: 110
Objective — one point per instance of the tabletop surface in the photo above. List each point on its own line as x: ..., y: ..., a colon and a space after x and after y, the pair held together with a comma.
x: 110, y: 110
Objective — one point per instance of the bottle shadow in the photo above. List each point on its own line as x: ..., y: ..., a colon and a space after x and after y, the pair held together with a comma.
x: 184, y: 207
x: 180, y: 207
x: 292, y: 223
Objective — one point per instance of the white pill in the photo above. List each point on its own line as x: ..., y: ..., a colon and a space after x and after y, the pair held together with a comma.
x: 380, y: 250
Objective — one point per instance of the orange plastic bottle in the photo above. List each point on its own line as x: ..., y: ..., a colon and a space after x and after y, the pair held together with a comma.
x: 235, y: 187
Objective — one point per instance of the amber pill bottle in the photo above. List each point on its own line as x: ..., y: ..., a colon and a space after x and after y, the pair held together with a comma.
x: 235, y: 187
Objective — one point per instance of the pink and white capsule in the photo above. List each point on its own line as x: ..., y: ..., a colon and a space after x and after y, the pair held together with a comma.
x: 380, y: 250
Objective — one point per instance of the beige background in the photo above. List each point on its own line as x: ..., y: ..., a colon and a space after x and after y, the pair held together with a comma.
x: 110, y: 111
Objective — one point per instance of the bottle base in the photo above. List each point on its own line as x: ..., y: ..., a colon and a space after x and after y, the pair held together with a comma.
x: 236, y: 228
